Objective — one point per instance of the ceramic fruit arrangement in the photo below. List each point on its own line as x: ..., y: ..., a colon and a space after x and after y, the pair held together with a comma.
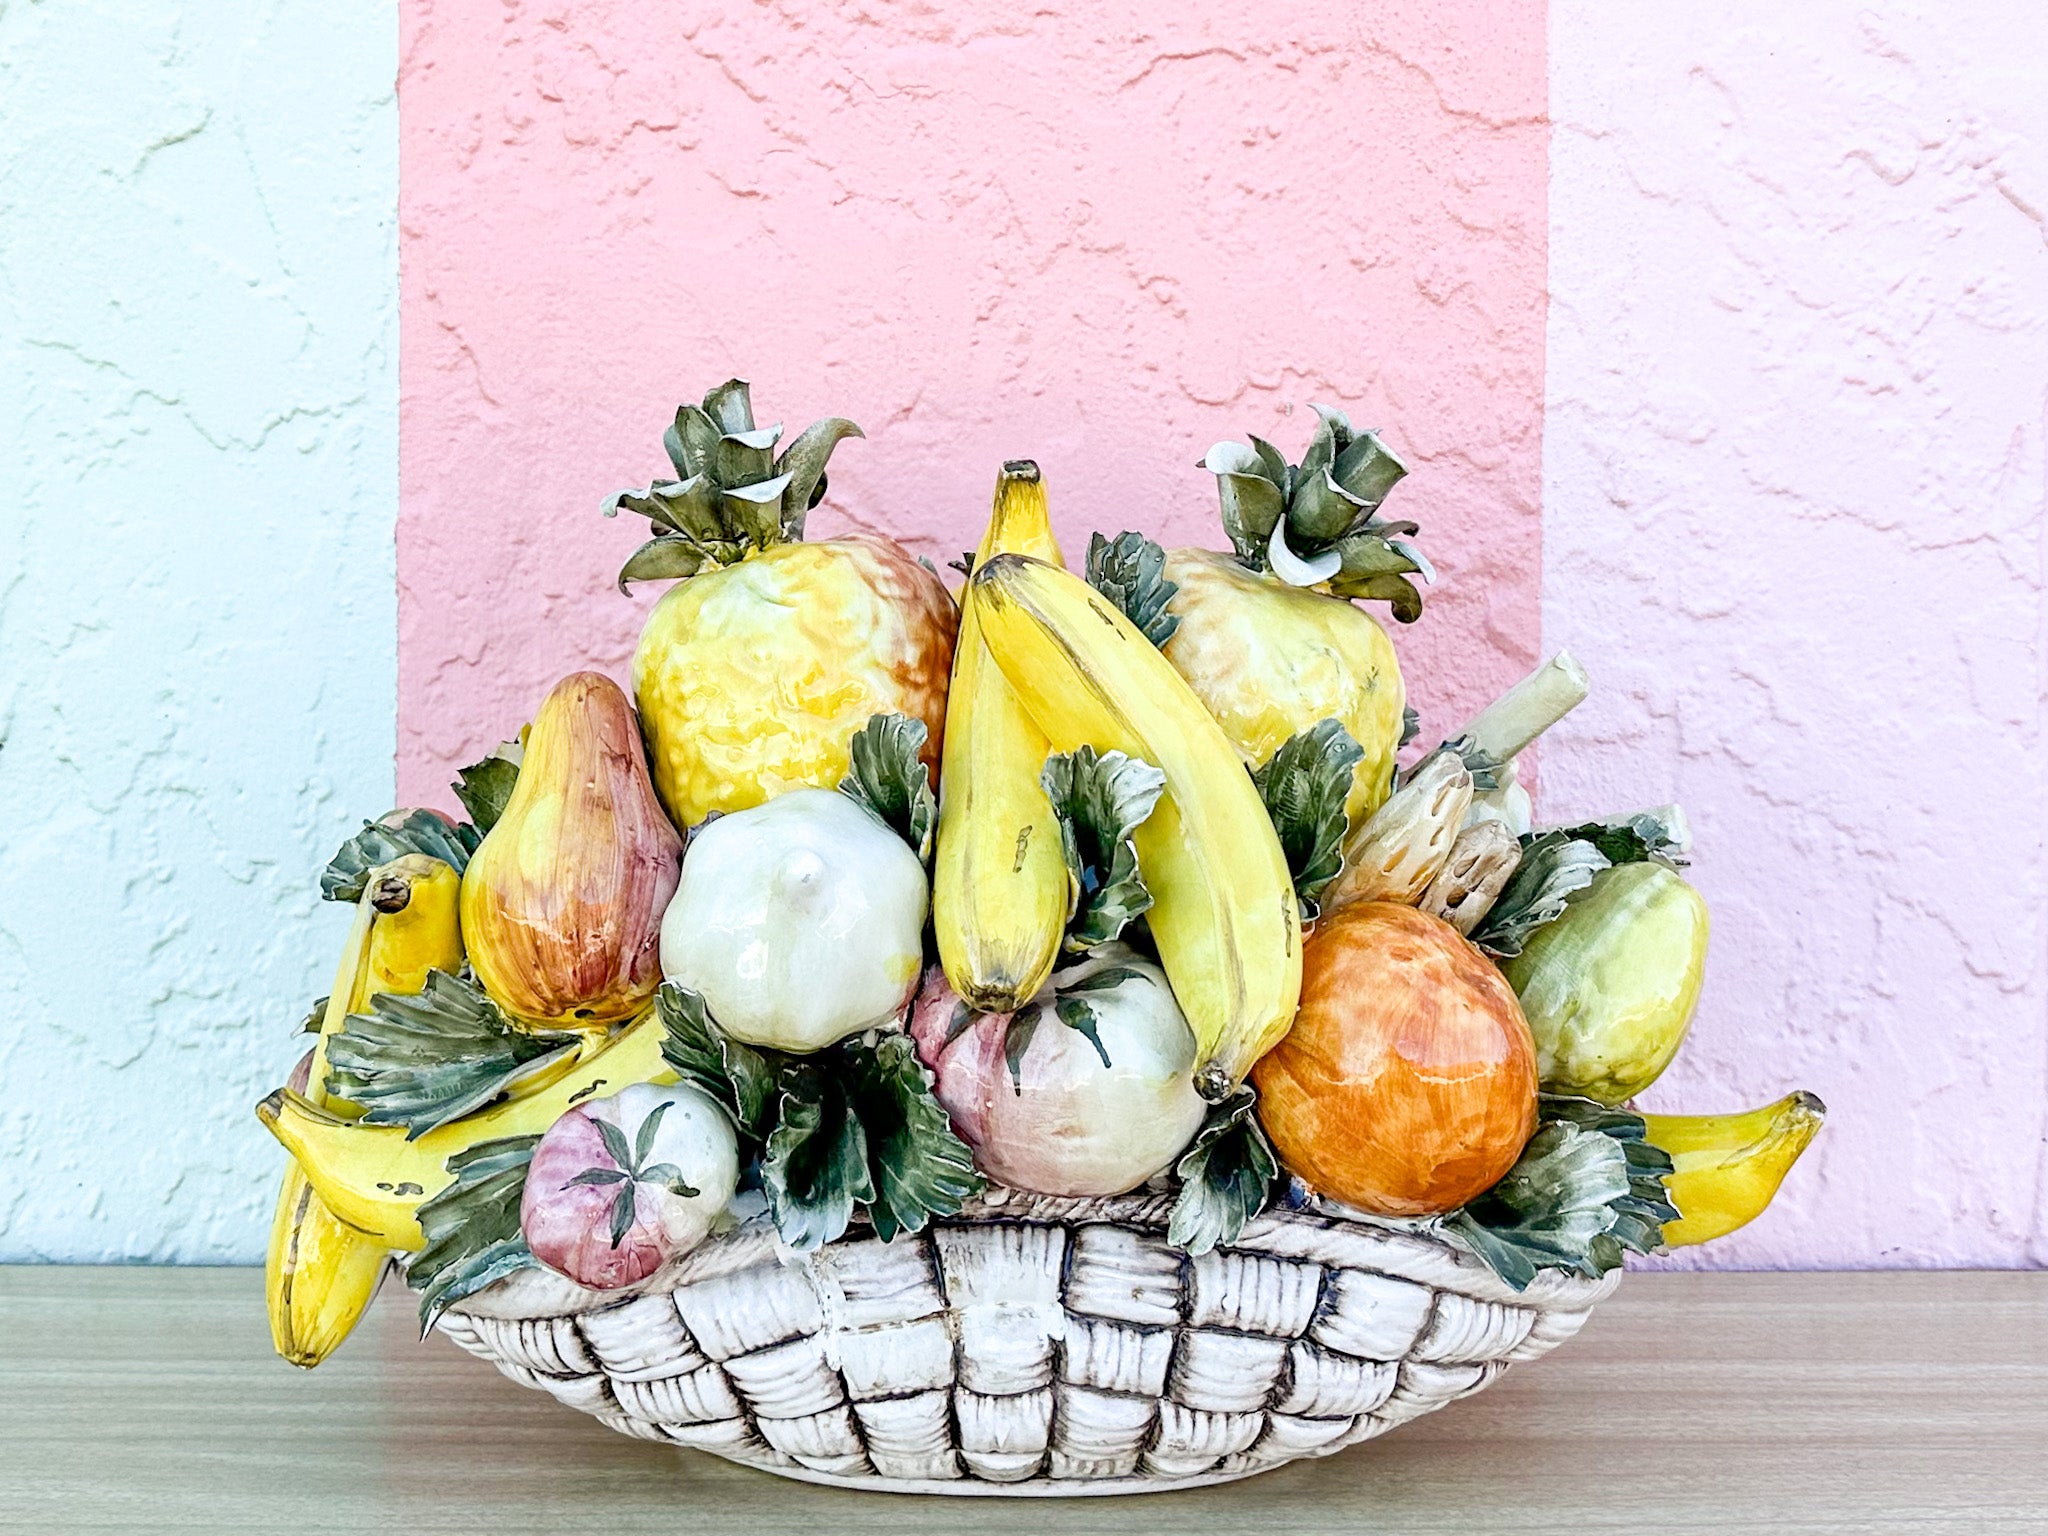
x: 875, y: 894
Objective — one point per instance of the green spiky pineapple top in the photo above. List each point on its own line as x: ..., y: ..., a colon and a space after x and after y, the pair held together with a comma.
x: 1318, y: 521
x: 733, y: 495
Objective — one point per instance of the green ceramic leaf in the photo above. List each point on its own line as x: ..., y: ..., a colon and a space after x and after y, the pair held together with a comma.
x: 1129, y: 570
x: 423, y: 1061
x: 1101, y: 799
x: 1368, y: 468
x: 1588, y: 1187
x: 730, y: 407
x: 1226, y: 1176
x: 804, y: 462
x: 738, y: 1077
x: 1016, y: 1041
x: 1320, y: 512
x: 690, y: 440
x: 1077, y: 1015
x: 670, y: 557
x: 397, y: 834
x: 485, y: 788
x: 1411, y: 725
x: 1554, y: 866
x: 1484, y: 767
x: 472, y: 1226
x: 918, y: 1167
x: 886, y: 774
x: 1304, y: 785
x: 1398, y: 592
x: 814, y: 1168
x: 1658, y: 835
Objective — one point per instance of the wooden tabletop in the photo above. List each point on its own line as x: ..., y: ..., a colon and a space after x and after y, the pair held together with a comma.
x: 147, y: 1399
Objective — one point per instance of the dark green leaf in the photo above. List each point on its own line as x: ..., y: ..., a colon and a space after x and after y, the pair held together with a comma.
x: 1016, y: 1041
x: 1252, y: 485
x: 1553, y: 867
x: 730, y: 407
x: 962, y: 1020
x: 1226, y: 1176
x: 743, y: 459
x: 920, y: 1169
x: 1101, y: 799
x: 1484, y: 767
x: 1107, y: 979
x: 472, y: 1226
x: 1078, y: 1016
x: 886, y: 774
x: 1305, y: 785
x: 804, y: 462
x: 615, y: 1146
x: 1658, y: 835
x: 1272, y: 463
x: 397, y: 834
x: 423, y: 1061
x: 689, y: 441
x: 1320, y: 513
x: 315, y: 1019
x: 1129, y: 570
x: 1398, y: 591
x: 622, y: 1212
x: 735, y: 1075
x: 815, y: 1166
x: 598, y: 1176
x: 485, y: 788
x: 669, y: 1177
x: 643, y: 1141
x: 1588, y: 1187
x: 1411, y: 726
x: 1368, y: 468
x: 669, y: 557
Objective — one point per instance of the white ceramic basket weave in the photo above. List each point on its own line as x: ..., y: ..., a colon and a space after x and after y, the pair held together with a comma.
x: 1031, y: 1346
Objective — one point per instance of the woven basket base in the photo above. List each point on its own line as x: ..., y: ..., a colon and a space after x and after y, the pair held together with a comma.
x: 1031, y: 1347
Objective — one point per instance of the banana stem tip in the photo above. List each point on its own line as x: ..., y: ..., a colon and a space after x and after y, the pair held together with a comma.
x: 1021, y: 469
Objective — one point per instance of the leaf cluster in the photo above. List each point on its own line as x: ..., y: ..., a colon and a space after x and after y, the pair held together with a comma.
x: 733, y: 493
x: 472, y: 1226
x: 1130, y: 570
x: 887, y: 776
x: 849, y: 1131
x: 1101, y: 799
x: 1555, y: 866
x: 1226, y: 1176
x: 395, y: 835
x: 1329, y: 501
x: 423, y: 1061
x: 1305, y: 784
x: 1588, y: 1188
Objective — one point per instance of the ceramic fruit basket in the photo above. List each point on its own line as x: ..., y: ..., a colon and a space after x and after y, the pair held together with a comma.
x: 1028, y: 1037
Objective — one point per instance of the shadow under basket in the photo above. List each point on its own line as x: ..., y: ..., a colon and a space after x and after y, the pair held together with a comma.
x: 1031, y: 1346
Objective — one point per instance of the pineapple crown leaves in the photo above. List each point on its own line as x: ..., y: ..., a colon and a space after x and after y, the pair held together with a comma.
x: 1226, y: 1176
x: 1318, y: 521
x: 733, y: 493
x: 1555, y: 866
x: 472, y: 1227
x: 887, y: 776
x: 1100, y: 800
x: 1305, y: 784
x: 1588, y: 1187
x: 393, y: 836
x: 851, y: 1129
x: 423, y: 1061
x: 1130, y: 570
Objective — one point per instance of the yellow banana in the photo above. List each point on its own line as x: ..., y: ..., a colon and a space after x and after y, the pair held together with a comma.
x: 1729, y: 1166
x: 1223, y: 914
x: 374, y: 1179
x: 320, y: 1273
x: 1000, y: 888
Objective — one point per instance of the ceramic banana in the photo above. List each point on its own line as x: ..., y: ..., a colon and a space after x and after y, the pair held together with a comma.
x: 1000, y: 887
x: 373, y: 1178
x: 1224, y: 916
x: 320, y: 1273
x: 1728, y: 1167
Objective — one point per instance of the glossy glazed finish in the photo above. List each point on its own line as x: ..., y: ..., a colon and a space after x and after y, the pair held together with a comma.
x: 752, y: 680
x: 568, y: 1224
x: 1610, y: 987
x: 561, y: 906
x: 1407, y: 1085
x: 1270, y: 660
x: 1066, y: 1124
x: 799, y: 922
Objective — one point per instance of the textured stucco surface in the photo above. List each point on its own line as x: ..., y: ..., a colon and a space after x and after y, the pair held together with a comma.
x: 198, y: 389
x: 1793, y: 524
x: 1099, y: 236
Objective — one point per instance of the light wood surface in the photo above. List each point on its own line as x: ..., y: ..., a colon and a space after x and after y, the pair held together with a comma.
x: 147, y: 1399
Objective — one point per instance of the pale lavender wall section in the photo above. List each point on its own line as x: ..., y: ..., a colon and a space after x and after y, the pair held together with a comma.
x: 1793, y: 493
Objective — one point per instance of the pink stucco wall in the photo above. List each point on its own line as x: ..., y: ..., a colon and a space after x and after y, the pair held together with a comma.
x: 1099, y: 236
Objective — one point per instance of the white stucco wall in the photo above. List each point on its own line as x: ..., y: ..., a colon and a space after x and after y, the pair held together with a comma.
x: 1793, y: 525
x: 198, y: 398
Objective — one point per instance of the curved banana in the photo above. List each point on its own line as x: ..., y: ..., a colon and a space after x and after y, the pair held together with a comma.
x: 1000, y: 888
x: 320, y: 1273
x: 373, y: 1178
x: 1727, y: 1167
x: 1223, y: 914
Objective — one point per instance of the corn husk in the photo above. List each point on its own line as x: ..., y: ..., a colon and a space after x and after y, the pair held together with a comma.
x: 1397, y: 853
x: 1482, y: 861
